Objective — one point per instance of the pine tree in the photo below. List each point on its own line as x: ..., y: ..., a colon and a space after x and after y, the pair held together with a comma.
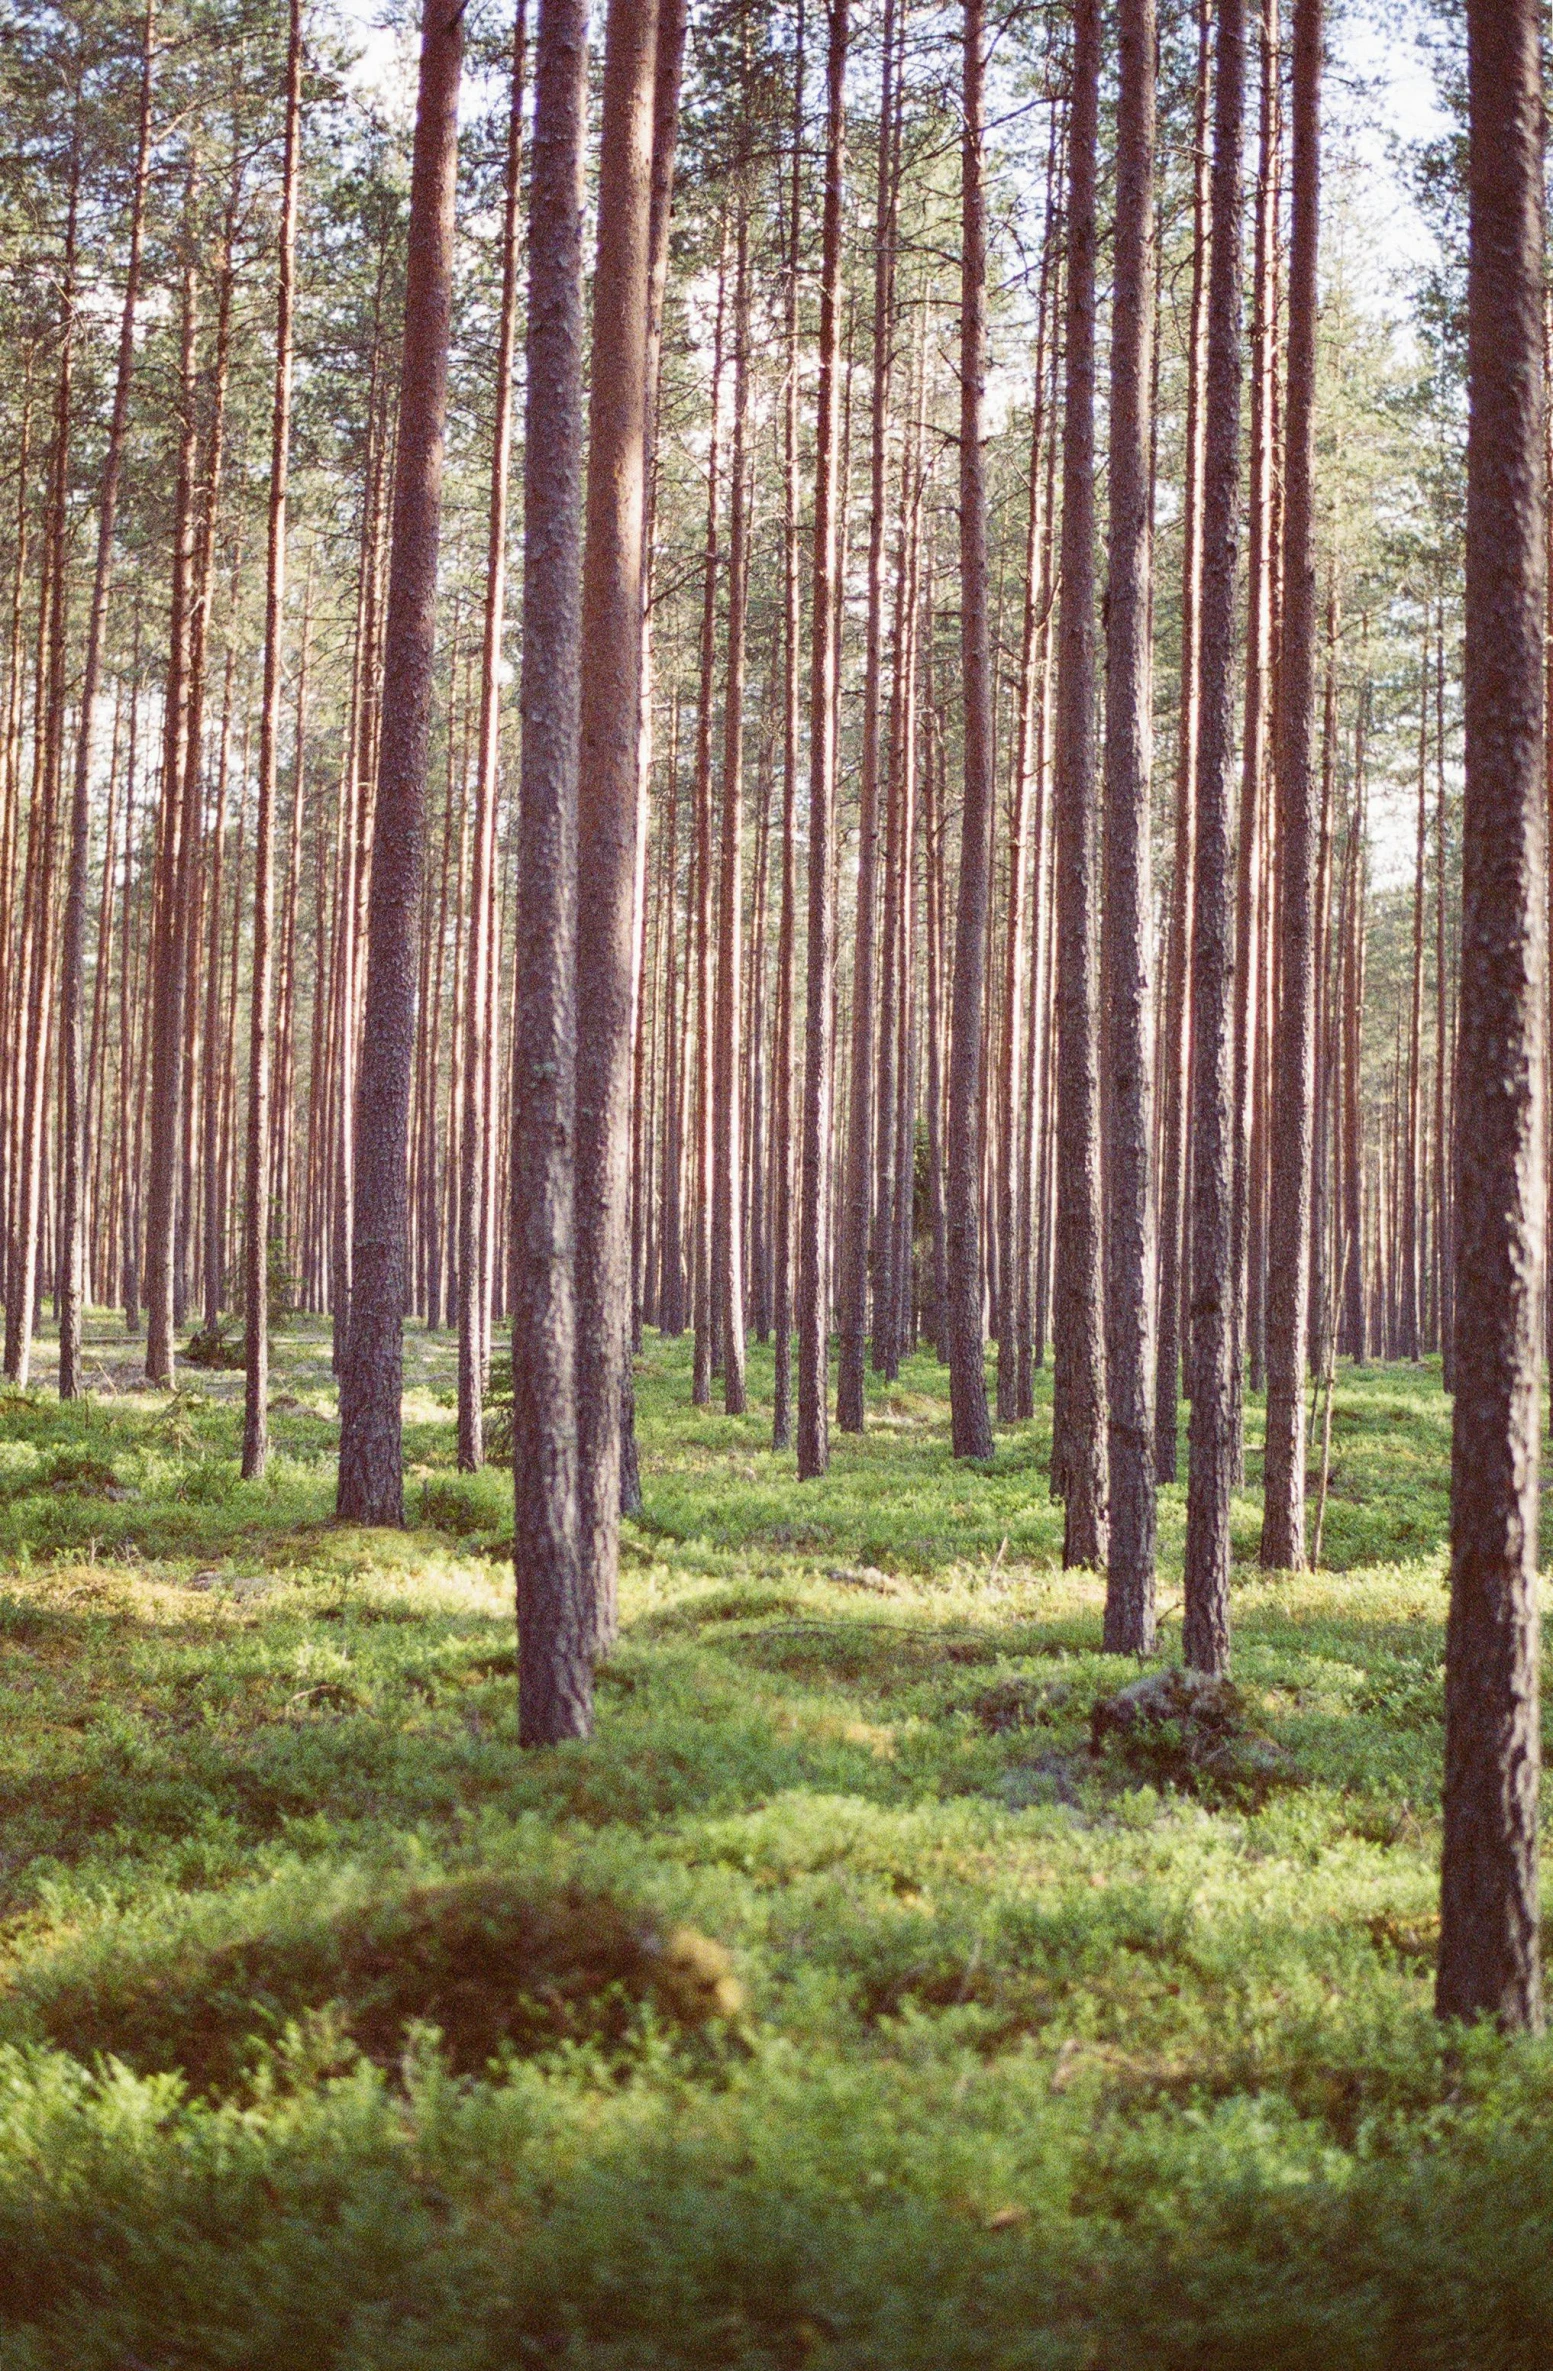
x: 1489, y: 1962
x: 1129, y: 1247
x: 1211, y: 1435
x: 371, y: 1480
x: 1294, y: 1078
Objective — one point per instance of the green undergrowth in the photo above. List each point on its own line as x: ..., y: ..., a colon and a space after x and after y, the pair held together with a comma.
x: 859, y: 1997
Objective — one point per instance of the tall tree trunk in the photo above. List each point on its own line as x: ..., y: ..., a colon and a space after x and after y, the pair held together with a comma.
x: 555, y: 1678
x: 894, y: 1128
x: 703, y: 1301
x: 1412, y: 1182
x: 671, y: 1257
x: 1032, y: 1229
x: 819, y: 1023
x: 1353, y: 1047
x: 1211, y: 1436
x: 1129, y: 996
x: 256, y: 1205
x: 971, y: 1425
x: 73, y: 966
x: 860, y: 1111
x: 1319, y: 1287
x: 666, y: 95
x: 1254, y: 736
x: 1443, y: 1180
x: 607, y: 789
x: 782, y: 1056
x: 1176, y: 1046
x: 169, y: 947
x: 1079, y: 1419
x: 32, y: 1062
x: 934, y: 902
x: 1017, y: 1084
x: 215, y: 1198
x: 474, y: 1247
x: 130, y: 1131
x: 1293, y: 1084
x: 371, y: 1484
x: 1489, y: 1960
x: 727, y: 1234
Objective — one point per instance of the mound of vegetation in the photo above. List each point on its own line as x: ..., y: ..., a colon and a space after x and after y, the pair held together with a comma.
x: 1187, y: 1729
x: 491, y: 1963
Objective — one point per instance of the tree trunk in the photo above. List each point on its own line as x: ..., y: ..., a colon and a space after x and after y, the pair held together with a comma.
x: 782, y: 1055
x: 860, y: 1106
x: 256, y: 1207
x: 819, y: 1024
x: 32, y: 1062
x: 555, y: 1679
x: 215, y: 1038
x: 1293, y: 1082
x: 474, y: 1246
x: 671, y: 1261
x: 971, y: 1424
x: 727, y: 1233
x: 1489, y: 1960
x: 1177, y: 1042
x: 607, y: 790
x: 169, y: 952
x: 703, y: 1304
x: 1254, y: 737
x: 1412, y: 1179
x: 73, y: 966
x: 1352, y: 1231
x: 1443, y: 1183
x: 1017, y: 1086
x: 1129, y: 996
x: 371, y: 1484
x: 1211, y: 1437
x: 1079, y: 1419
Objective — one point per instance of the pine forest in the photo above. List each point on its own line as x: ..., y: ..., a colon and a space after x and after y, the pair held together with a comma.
x: 774, y: 1172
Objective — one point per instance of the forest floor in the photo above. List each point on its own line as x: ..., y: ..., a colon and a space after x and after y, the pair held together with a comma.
x: 841, y: 2004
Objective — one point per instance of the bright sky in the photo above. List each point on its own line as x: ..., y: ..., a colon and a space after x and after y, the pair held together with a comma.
x: 1380, y: 95
x: 1378, y: 92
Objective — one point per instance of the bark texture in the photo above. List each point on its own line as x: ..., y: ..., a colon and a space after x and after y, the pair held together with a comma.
x: 73, y: 959
x: 819, y: 1021
x: 1176, y: 1051
x: 555, y: 1671
x: 1079, y: 1421
x: 727, y: 1230
x: 792, y: 626
x: 476, y: 1213
x: 371, y: 1483
x: 971, y: 1424
x: 1489, y: 1961
x: 256, y: 1214
x: 607, y: 786
x: 1129, y: 1246
x: 1211, y: 1432
x: 856, y: 1201
x: 1293, y: 1111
